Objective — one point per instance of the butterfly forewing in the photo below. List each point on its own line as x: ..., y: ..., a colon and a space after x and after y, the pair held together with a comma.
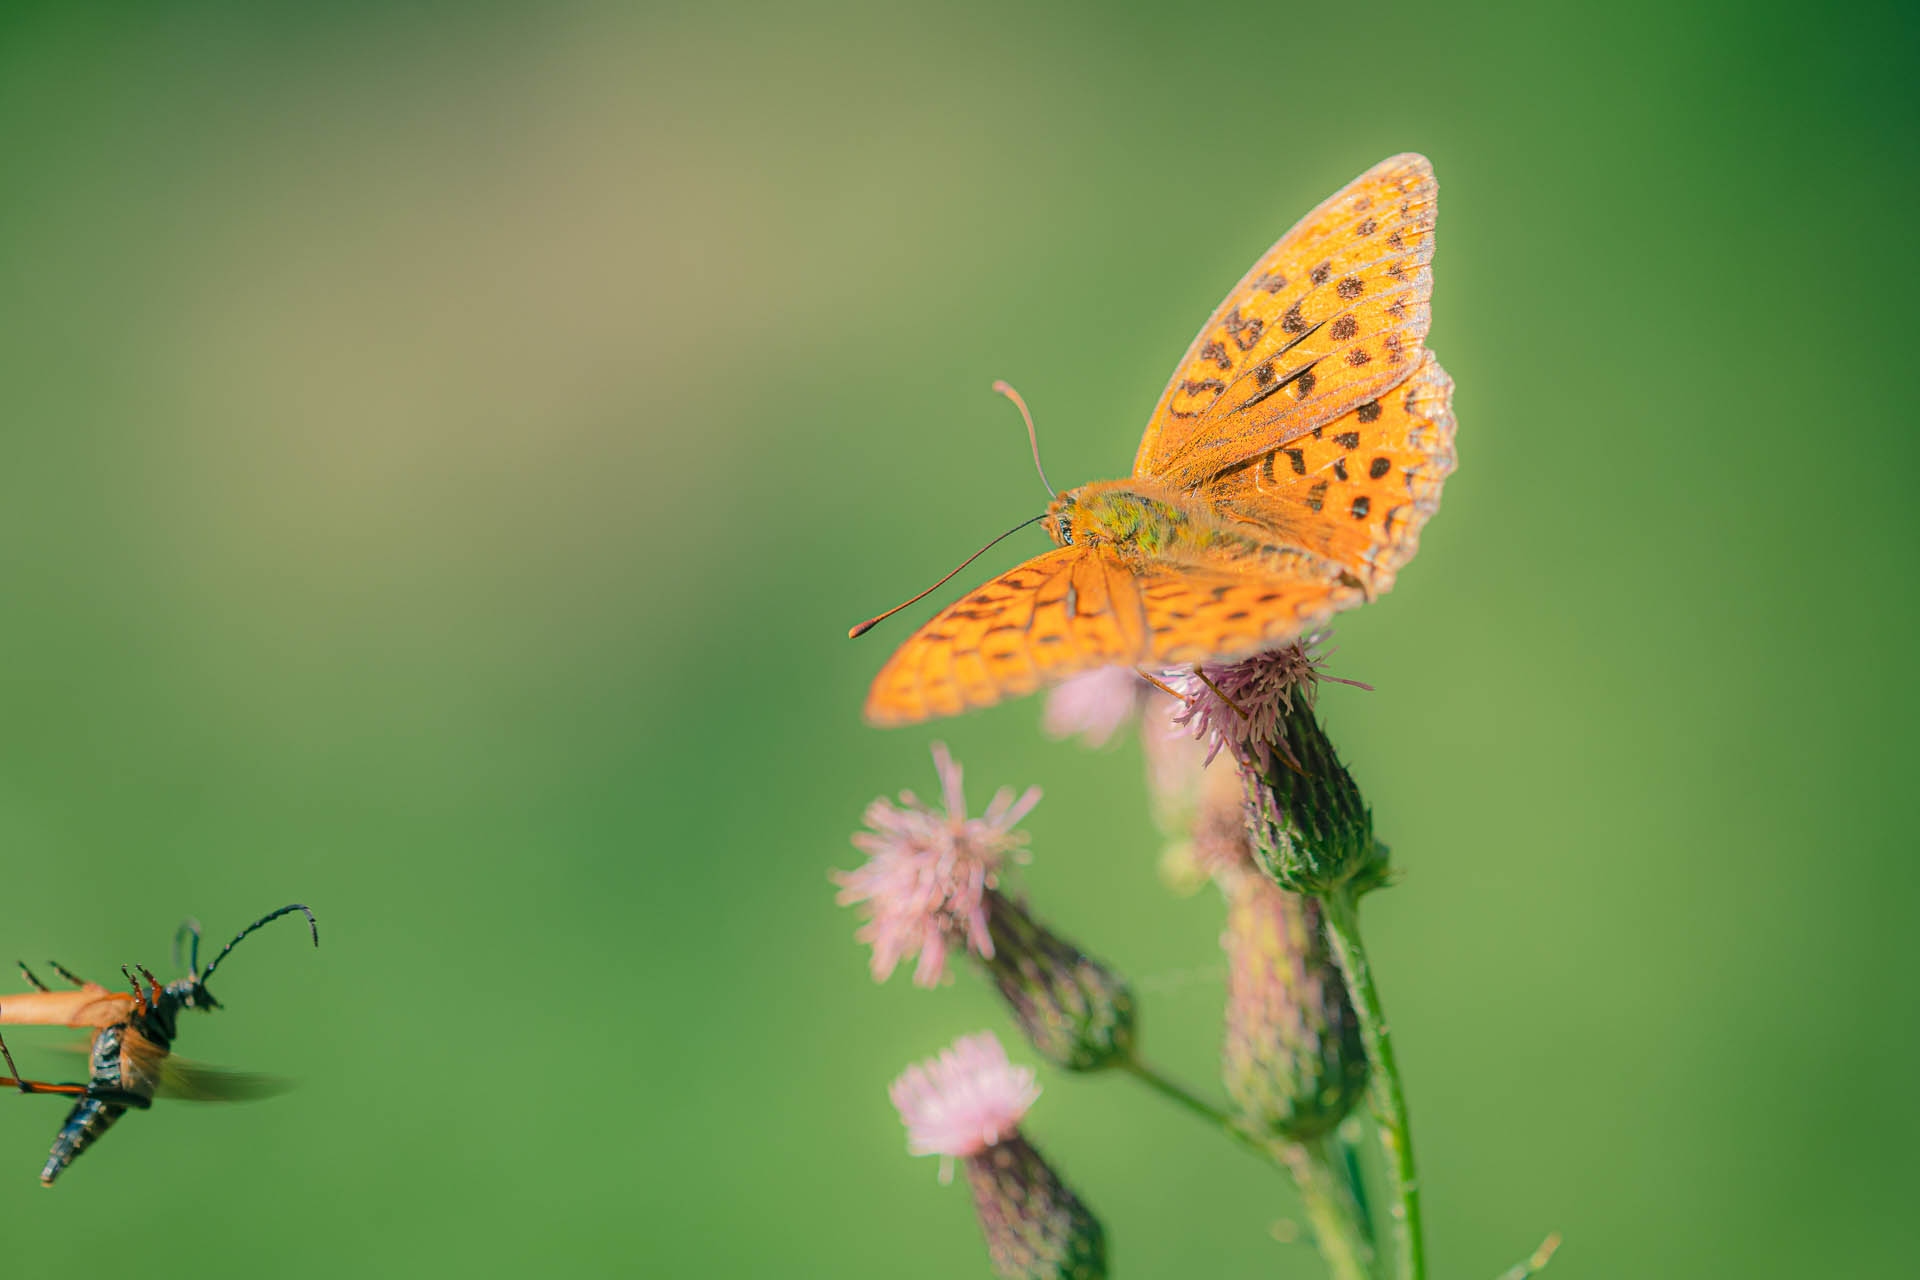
x: 1358, y: 489
x: 1197, y: 614
x: 1329, y: 318
x: 1071, y: 609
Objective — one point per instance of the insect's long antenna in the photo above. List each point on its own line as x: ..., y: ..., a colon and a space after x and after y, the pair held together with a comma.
x: 188, y: 927
x: 268, y: 918
x: 870, y: 623
x: 1033, y: 437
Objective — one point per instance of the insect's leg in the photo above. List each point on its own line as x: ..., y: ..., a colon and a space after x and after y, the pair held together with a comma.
x: 134, y: 984
x: 1238, y: 710
x: 152, y: 982
x: 67, y: 973
x: 32, y: 1086
x: 28, y: 974
x: 1159, y: 684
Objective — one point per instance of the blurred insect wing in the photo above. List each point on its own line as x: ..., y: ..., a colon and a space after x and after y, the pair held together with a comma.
x: 196, y: 1082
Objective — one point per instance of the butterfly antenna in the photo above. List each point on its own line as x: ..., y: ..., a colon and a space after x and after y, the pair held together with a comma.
x: 870, y: 623
x: 1033, y: 436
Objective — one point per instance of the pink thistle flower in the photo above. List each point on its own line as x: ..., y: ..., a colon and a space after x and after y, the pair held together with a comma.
x: 1246, y: 702
x: 928, y: 873
x: 1036, y: 1227
x: 967, y: 1105
x: 1308, y: 826
x: 964, y: 1101
x: 1174, y: 760
x: 1095, y: 705
x: 1220, y: 846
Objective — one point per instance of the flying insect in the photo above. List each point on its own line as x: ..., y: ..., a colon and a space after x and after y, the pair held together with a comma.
x: 131, y: 1057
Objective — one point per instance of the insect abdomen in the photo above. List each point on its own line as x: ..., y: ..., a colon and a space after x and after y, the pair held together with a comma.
x: 89, y: 1118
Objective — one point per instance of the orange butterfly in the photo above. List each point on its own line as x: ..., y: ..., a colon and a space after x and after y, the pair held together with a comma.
x: 1285, y: 476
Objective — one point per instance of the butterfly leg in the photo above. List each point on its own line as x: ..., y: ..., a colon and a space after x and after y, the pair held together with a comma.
x: 32, y: 1086
x: 1159, y: 684
x: 1237, y: 708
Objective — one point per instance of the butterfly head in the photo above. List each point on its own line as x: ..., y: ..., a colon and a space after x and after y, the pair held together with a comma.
x: 1064, y: 515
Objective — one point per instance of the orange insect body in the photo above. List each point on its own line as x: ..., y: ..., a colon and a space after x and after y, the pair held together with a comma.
x: 1284, y: 476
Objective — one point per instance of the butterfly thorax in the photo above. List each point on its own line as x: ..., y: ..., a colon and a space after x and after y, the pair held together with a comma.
x: 1139, y: 518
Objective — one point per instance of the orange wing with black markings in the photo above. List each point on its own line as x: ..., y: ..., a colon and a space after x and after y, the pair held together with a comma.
x: 1062, y: 612
x: 1357, y: 490
x: 1331, y: 317
x: 1074, y: 609
x: 1198, y: 614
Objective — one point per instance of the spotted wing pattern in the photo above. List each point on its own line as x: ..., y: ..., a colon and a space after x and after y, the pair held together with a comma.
x: 1204, y: 614
x: 1330, y: 318
x: 1358, y: 489
x: 1068, y: 610
x: 1077, y: 608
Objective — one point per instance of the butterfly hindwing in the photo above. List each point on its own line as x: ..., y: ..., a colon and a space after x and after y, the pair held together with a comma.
x: 1358, y: 489
x: 1331, y: 317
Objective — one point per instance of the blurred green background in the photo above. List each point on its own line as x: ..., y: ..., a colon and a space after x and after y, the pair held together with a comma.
x: 446, y: 445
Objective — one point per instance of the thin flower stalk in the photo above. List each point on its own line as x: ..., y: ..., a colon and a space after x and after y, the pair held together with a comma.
x: 1312, y: 832
x: 1385, y: 1093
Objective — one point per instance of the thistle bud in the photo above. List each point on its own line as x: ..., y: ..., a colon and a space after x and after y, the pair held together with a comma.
x: 1310, y: 828
x: 1075, y: 1011
x: 1294, y: 1060
x: 1036, y: 1228
x: 967, y: 1105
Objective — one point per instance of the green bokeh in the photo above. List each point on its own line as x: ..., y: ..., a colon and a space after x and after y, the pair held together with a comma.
x: 446, y: 446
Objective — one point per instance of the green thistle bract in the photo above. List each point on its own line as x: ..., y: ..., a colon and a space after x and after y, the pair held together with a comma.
x: 1074, y: 1010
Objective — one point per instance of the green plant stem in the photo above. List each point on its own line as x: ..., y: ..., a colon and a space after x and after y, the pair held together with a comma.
x: 1383, y: 1088
x: 1349, y: 1159
x: 1330, y: 1207
x: 1185, y: 1097
x: 1532, y: 1266
x: 1336, y: 1218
